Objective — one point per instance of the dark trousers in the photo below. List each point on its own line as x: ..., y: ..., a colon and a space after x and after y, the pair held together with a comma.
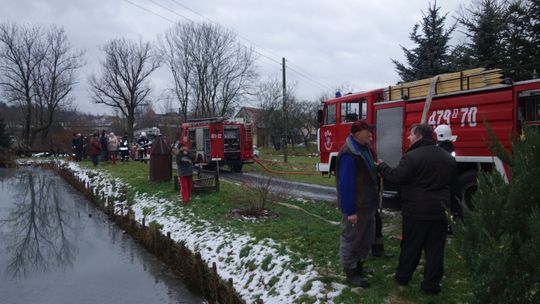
x: 429, y: 236
x: 95, y: 159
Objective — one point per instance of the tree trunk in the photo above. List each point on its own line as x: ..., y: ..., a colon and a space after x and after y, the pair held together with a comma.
x: 130, y: 122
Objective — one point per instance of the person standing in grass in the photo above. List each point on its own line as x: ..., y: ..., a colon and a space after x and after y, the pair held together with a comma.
x: 184, y: 163
x: 112, y: 146
x: 95, y: 149
x: 356, y: 179
x: 426, y: 175
x: 103, y: 140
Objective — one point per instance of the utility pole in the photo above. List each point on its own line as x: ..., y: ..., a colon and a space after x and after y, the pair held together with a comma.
x: 285, y: 118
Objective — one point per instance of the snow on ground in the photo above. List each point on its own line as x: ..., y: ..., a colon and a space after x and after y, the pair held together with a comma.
x: 258, y: 269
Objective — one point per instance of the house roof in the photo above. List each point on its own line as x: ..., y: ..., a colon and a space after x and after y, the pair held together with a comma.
x: 252, y: 112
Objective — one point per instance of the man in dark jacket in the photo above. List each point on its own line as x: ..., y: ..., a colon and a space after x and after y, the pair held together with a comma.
x: 426, y: 175
x: 95, y: 149
x: 104, y: 142
x: 356, y: 179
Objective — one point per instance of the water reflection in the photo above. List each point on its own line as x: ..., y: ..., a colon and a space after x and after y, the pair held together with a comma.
x: 37, y: 226
x: 59, y: 255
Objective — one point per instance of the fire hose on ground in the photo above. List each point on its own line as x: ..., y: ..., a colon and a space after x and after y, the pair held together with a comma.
x: 284, y: 172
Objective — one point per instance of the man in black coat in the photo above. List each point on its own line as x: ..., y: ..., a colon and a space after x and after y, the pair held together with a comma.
x: 427, y: 175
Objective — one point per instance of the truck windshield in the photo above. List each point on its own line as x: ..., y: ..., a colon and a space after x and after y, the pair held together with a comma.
x: 350, y: 111
x: 330, y: 115
x: 353, y: 111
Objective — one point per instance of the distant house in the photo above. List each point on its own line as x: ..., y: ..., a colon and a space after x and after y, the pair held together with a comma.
x: 252, y: 115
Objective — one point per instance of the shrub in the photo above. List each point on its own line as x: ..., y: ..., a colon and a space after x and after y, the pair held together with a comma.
x: 500, y: 238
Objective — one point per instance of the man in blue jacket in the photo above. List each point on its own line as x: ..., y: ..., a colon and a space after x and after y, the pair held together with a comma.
x: 356, y: 178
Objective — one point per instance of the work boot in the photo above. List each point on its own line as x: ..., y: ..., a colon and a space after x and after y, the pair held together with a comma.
x: 354, y: 278
x: 377, y: 250
x: 363, y: 271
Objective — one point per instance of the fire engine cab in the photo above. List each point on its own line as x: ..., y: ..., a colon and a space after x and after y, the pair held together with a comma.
x: 219, y: 141
x: 462, y: 100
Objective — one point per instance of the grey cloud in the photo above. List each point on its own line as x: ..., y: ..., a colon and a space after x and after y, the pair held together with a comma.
x: 334, y: 42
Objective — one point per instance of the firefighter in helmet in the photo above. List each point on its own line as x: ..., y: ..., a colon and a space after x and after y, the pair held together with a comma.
x: 142, y: 143
x: 124, y: 148
x: 445, y: 139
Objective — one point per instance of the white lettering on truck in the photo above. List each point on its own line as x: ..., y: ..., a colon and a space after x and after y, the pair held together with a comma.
x: 468, y: 116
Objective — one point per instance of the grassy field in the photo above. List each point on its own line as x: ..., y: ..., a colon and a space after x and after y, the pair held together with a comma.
x: 308, y: 236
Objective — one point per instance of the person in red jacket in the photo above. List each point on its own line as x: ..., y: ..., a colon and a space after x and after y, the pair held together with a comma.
x: 95, y: 149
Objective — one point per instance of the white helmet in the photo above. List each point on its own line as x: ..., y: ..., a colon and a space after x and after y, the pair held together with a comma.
x: 143, y: 134
x: 444, y: 133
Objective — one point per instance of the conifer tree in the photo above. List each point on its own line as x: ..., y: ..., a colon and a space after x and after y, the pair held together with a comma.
x: 430, y: 56
x: 484, y: 24
x: 501, y: 237
x: 518, y: 42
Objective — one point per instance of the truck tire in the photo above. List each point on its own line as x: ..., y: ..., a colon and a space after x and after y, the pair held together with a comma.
x: 237, y: 167
x: 468, y: 184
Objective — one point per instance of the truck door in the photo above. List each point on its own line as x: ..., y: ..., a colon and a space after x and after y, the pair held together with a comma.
x: 389, y: 134
x: 328, y: 131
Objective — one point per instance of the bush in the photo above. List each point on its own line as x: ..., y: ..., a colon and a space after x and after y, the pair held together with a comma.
x: 500, y: 239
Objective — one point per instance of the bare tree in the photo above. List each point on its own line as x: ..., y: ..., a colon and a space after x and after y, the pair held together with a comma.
x: 175, y: 49
x: 54, y: 79
x: 37, y: 72
x: 20, y: 55
x: 270, y: 96
x: 302, y: 120
x: 211, y: 70
x: 123, y: 83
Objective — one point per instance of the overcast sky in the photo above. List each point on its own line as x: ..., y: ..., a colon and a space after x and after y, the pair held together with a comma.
x: 333, y: 43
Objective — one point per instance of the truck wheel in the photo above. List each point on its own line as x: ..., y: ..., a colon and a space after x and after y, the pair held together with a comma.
x: 467, y: 187
x: 238, y: 167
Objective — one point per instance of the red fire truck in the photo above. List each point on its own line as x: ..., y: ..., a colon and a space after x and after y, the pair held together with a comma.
x: 221, y: 140
x: 463, y: 105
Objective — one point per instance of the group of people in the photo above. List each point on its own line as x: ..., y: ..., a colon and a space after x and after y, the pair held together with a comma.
x: 427, y: 178
x: 104, y: 147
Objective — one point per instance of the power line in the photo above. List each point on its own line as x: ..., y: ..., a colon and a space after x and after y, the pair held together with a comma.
x: 149, y: 11
x: 309, y: 78
x: 248, y: 40
x: 170, y: 10
x: 318, y: 84
x: 302, y: 74
x: 174, y: 12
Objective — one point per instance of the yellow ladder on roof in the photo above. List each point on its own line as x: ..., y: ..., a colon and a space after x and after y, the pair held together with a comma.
x: 447, y: 83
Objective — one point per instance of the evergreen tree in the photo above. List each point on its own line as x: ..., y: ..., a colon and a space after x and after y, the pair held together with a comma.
x: 5, y: 141
x: 520, y: 52
x: 501, y: 238
x: 430, y: 56
x: 484, y: 24
x: 460, y: 58
x: 534, y: 13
